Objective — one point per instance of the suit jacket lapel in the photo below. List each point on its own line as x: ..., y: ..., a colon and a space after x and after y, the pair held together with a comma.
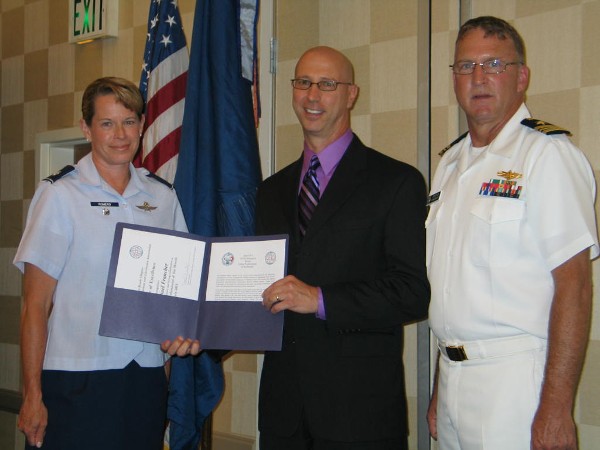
x: 289, y: 199
x: 346, y: 179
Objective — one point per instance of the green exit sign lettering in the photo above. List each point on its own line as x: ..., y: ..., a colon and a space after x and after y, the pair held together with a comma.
x: 92, y: 19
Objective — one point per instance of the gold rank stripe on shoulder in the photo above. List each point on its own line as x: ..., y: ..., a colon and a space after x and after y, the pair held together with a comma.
x: 453, y: 143
x: 544, y: 127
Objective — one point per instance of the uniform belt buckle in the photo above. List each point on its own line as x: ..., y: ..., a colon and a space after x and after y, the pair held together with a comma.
x: 456, y: 353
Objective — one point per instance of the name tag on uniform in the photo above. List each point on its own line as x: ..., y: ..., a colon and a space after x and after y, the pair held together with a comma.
x: 105, y: 204
x: 433, y: 198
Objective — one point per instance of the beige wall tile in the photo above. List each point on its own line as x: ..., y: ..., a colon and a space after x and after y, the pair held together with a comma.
x: 188, y: 26
x: 36, y: 75
x: 361, y: 126
x: 440, y: 134
x: 344, y: 23
x: 186, y: 6
x: 119, y: 59
x: 61, y: 69
x: 360, y: 58
x: 546, y: 36
x: 560, y: 108
x: 35, y: 121
x: 58, y: 23
x: 222, y: 415
x: 441, y: 76
x: 29, y: 181
x: 442, y: 20
x: 506, y: 9
x: 589, y: 123
x: 13, y: 85
x: 285, y: 112
x: 10, y: 313
x: 12, y: 32
x: 536, y: 7
x: 410, y: 360
x: 88, y: 63
x: 36, y: 26
x: 244, y: 362
x: 590, y: 37
x: 12, y: 129
x: 140, y: 12
x: 297, y: 27
x: 10, y: 279
x: 77, y: 97
x: 7, y: 5
x: 394, y: 88
x: 126, y: 15
x: 60, y: 111
x: 139, y: 45
x: 393, y: 19
x: 9, y: 367
x: 288, y: 146
x: 243, y: 386
x: 589, y: 436
x: 10, y: 223
x: 11, y: 178
x: 589, y: 394
x: 393, y: 133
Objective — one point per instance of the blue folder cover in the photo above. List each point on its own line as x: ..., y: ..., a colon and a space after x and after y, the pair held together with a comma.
x: 223, y: 325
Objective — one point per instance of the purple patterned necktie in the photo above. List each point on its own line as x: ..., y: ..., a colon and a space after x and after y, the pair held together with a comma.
x: 309, y: 195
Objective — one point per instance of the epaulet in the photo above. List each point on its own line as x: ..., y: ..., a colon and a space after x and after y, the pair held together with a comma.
x: 159, y: 179
x: 61, y: 173
x: 544, y: 127
x: 453, y: 143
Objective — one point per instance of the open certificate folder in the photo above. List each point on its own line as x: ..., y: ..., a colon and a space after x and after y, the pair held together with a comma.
x: 163, y: 284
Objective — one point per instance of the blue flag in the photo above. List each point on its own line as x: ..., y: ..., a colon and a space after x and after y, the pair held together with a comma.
x: 218, y: 172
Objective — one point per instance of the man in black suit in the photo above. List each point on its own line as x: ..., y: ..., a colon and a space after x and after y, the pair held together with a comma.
x: 356, y: 276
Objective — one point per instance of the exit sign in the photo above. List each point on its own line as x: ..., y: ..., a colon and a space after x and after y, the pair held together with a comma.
x: 92, y: 19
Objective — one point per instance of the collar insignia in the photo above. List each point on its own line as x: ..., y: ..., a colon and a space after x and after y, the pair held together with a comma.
x: 510, y: 175
x: 146, y: 207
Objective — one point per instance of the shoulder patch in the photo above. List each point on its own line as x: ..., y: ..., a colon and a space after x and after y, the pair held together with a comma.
x: 160, y: 180
x: 453, y: 143
x: 544, y: 127
x: 58, y: 175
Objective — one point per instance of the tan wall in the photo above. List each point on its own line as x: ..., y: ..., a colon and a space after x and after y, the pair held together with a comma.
x: 42, y: 78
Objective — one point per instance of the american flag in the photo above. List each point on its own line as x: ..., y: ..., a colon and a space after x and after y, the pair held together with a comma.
x: 163, y: 83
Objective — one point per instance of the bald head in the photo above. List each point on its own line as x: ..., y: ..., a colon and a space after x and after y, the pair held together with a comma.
x: 333, y: 57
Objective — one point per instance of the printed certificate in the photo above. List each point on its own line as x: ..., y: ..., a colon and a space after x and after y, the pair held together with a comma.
x: 163, y: 284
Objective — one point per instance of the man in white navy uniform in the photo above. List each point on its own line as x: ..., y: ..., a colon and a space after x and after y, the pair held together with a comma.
x: 510, y: 234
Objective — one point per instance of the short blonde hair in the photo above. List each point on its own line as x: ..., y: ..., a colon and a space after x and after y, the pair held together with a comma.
x: 124, y: 91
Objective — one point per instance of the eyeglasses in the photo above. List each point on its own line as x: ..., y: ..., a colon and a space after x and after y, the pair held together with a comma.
x: 492, y: 66
x: 323, y: 85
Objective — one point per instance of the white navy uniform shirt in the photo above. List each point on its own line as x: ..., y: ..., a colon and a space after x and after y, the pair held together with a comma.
x: 490, y: 257
x: 69, y: 235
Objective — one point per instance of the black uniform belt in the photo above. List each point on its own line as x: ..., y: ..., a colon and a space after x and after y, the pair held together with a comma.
x: 491, y: 348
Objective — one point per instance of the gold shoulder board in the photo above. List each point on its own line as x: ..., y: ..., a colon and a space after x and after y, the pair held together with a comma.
x: 453, y: 143
x: 544, y: 127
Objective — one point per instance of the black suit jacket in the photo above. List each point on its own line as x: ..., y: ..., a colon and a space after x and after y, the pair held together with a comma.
x: 365, y: 248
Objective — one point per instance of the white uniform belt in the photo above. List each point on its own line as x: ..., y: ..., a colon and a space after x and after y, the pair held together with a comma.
x: 490, y: 348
